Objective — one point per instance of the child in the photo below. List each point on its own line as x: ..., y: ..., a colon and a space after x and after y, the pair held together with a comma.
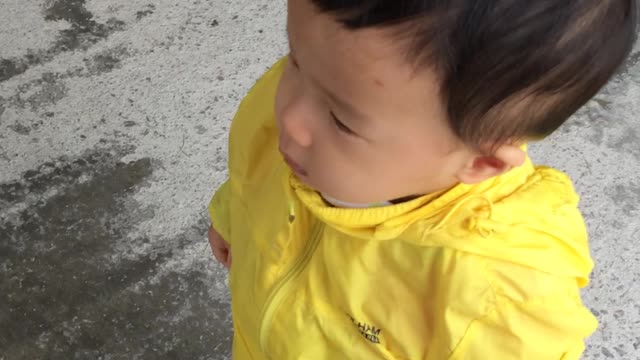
x: 380, y: 202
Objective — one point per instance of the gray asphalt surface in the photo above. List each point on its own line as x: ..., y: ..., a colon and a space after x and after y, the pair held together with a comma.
x: 113, y: 130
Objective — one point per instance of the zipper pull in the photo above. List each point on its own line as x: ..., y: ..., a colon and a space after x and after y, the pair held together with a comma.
x: 292, y: 212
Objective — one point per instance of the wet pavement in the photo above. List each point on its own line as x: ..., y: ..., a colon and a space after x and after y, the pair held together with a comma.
x: 113, y: 129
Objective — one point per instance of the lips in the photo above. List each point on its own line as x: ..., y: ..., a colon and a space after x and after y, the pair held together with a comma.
x: 293, y: 165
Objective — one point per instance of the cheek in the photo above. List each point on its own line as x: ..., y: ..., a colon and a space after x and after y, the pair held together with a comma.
x: 401, y: 165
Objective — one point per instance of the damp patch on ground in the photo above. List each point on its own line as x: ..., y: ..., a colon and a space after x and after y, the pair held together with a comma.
x: 107, y: 60
x: 74, y: 283
x: 82, y: 34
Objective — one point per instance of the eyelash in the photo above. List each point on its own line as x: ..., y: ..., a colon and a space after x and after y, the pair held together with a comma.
x: 341, y: 126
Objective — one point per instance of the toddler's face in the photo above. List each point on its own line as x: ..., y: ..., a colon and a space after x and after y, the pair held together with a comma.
x: 357, y: 121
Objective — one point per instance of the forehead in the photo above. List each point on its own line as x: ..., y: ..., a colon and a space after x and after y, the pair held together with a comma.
x: 330, y: 45
x: 368, y: 67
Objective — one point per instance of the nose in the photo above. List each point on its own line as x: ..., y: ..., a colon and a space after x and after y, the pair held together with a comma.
x: 296, y: 125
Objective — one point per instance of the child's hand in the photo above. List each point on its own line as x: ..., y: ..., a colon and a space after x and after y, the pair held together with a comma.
x: 220, y: 248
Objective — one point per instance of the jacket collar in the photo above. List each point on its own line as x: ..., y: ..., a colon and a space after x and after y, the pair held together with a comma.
x: 432, y: 211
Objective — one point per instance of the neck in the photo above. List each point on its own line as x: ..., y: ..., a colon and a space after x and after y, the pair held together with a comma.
x: 348, y: 205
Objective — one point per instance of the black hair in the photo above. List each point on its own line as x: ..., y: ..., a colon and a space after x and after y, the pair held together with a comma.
x: 510, y: 70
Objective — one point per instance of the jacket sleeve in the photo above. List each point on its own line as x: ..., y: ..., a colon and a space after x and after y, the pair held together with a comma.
x: 219, y: 210
x: 552, y: 328
x: 253, y: 126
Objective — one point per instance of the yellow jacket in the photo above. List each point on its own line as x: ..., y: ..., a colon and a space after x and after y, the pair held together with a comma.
x: 490, y: 271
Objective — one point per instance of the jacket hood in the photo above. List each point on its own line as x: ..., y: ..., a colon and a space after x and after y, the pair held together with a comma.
x: 527, y: 216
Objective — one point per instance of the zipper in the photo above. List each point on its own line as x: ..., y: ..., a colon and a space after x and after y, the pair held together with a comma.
x: 284, y: 287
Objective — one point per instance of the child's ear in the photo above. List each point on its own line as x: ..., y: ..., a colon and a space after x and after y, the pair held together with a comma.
x: 483, y: 167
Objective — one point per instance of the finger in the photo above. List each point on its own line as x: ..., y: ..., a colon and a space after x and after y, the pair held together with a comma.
x: 227, y: 260
x: 212, y: 234
x: 219, y: 254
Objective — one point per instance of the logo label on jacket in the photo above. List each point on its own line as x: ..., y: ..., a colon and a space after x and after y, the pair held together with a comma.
x: 369, y: 332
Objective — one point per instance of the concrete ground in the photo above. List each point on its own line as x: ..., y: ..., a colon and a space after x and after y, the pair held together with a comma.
x: 113, y: 124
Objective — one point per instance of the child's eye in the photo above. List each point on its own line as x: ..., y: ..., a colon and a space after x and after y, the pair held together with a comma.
x: 341, y: 126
